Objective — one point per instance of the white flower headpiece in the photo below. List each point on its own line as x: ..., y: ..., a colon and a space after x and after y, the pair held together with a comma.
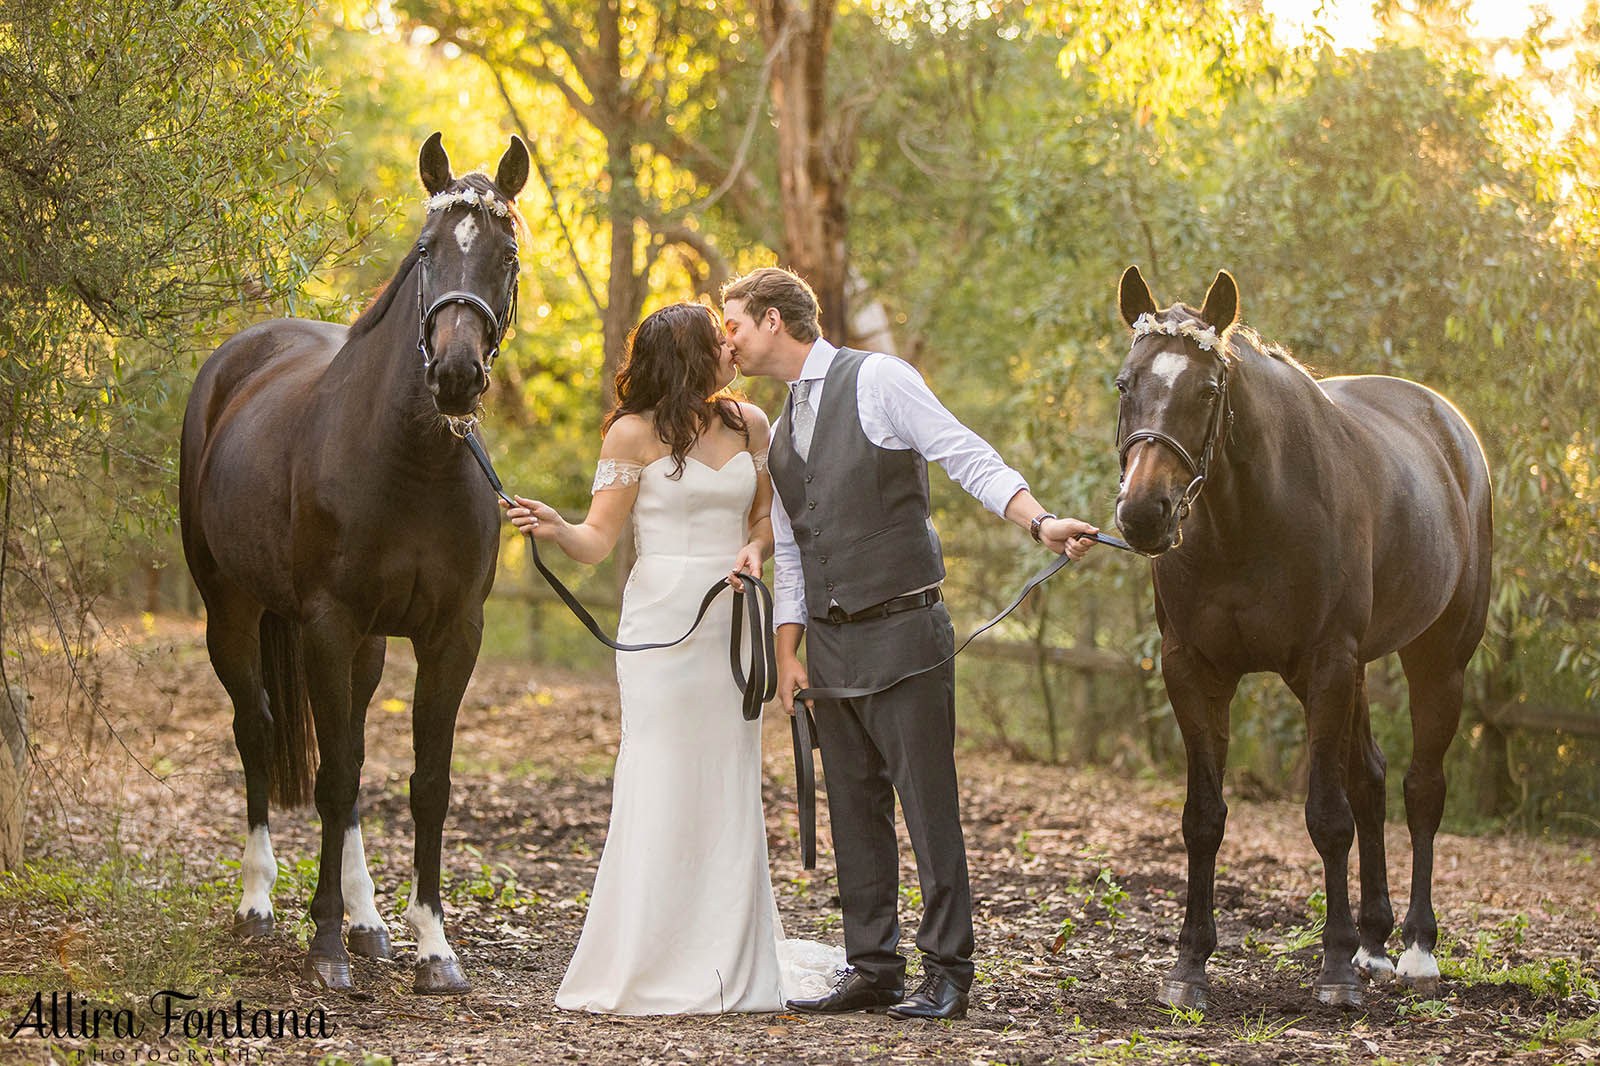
x: 1205, y: 336
x: 471, y: 197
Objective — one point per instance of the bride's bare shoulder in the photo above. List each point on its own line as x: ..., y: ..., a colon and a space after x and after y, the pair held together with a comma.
x: 631, y: 437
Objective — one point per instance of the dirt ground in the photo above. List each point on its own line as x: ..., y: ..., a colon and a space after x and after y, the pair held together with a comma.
x: 1078, y: 881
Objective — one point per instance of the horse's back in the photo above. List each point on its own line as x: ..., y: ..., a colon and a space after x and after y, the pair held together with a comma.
x: 1428, y: 476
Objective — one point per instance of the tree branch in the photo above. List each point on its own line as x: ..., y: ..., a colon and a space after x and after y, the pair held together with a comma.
x: 549, y: 186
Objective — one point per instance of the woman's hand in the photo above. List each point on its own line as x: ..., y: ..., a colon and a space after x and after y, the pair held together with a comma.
x: 748, y: 561
x: 531, y: 516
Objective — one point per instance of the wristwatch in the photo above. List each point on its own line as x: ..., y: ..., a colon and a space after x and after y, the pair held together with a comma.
x: 1033, y: 527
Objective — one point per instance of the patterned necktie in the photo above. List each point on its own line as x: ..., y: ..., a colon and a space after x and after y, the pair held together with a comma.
x: 805, y: 419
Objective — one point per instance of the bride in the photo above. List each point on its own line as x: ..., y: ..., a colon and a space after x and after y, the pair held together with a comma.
x: 682, y: 918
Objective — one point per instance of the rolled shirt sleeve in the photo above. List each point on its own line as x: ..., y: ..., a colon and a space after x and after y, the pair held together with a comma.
x: 899, y: 411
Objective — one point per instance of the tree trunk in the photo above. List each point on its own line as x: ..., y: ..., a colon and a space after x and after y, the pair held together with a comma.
x: 14, y: 767
x: 815, y: 156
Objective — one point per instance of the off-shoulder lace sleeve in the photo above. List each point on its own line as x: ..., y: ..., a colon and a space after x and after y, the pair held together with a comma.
x: 760, y: 460
x: 615, y: 474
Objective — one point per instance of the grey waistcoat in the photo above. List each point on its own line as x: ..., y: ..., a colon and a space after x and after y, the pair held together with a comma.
x: 860, y: 512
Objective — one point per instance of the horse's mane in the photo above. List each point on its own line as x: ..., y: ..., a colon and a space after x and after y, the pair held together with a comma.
x: 1251, y: 340
x: 374, y: 312
x: 1243, y: 338
x: 381, y: 303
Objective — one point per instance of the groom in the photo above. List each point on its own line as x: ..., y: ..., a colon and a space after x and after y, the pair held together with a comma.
x: 858, y: 568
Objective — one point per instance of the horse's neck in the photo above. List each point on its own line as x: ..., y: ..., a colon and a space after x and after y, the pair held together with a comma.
x: 1272, y: 403
x: 375, y: 388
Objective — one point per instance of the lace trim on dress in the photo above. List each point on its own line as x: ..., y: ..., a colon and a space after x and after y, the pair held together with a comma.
x: 760, y: 461
x: 615, y: 474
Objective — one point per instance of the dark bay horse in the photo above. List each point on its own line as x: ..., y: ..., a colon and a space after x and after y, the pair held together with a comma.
x: 1306, y: 528
x: 326, y: 502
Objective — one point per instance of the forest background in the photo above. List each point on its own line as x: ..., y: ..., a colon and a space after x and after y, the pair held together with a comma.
x: 962, y: 182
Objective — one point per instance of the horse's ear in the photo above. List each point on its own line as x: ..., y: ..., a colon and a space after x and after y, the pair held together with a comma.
x: 433, y: 165
x: 1221, y: 308
x: 1133, y: 296
x: 512, y: 173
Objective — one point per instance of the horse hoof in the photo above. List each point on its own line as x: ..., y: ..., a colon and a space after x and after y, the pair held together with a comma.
x: 1375, y: 968
x: 369, y: 943
x: 1339, y: 995
x: 441, y: 977
x: 1426, y: 987
x: 246, y: 926
x: 1183, y: 995
x: 332, y: 974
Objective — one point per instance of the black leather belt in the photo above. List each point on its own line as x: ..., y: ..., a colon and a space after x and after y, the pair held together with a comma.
x: 909, y: 602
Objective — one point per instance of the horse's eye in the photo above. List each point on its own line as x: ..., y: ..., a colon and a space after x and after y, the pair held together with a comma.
x: 422, y: 250
x: 1122, y: 386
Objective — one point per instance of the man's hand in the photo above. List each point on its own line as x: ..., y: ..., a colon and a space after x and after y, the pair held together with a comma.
x: 1067, y: 535
x: 791, y: 679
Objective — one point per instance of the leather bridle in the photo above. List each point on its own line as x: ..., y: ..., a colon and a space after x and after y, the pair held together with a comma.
x: 1217, y: 429
x: 499, y: 323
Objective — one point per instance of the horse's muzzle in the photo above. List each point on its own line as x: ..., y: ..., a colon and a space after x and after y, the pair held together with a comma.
x: 457, y: 384
x: 1149, y: 523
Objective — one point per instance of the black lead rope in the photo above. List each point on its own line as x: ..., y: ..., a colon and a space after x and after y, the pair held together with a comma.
x: 804, y: 727
x: 755, y: 689
x: 761, y: 684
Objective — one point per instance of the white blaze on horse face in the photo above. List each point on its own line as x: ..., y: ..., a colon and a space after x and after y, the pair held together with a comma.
x: 258, y: 871
x: 466, y: 232
x: 1167, y: 367
x: 356, y: 883
x: 1417, y: 964
x: 428, y: 924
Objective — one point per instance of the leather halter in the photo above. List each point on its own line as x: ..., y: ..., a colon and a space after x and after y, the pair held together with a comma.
x: 461, y: 425
x: 1217, y: 429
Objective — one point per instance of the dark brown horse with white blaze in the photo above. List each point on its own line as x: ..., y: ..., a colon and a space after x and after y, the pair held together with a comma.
x: 326, y: 503
x: 1306, y: 528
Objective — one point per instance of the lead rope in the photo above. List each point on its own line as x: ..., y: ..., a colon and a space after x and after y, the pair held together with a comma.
x: 761, y: 683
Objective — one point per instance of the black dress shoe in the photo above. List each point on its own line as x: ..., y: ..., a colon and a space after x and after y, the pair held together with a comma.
x: 853, y: 990
x: 935, y: 997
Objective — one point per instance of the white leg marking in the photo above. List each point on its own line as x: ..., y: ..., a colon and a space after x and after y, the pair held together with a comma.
x: 429, y: 928
x: 466, y: 230
x: 1417, y: 963
x: 1377, y: 967
x: 356, y: 883
x: 258, y: 872
x: 1168, y: 365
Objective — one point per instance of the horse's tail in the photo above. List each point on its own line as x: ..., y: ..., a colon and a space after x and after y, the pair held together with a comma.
x: 292, y: 767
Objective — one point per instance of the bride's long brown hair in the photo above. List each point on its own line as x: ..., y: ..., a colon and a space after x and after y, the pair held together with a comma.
x: 669, y: 369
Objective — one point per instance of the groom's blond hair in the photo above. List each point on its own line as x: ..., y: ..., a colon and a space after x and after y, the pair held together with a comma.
x: 783, y: 290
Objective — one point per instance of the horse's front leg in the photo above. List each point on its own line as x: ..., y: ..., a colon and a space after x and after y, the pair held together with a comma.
x: 328, y: 644
x: 1330, y: 694
x: 368, y: 934
x: 444, y: 666
x: 1200, y: 701
x: 1365, y: 770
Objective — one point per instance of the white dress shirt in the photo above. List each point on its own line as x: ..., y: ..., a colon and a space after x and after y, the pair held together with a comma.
x: 897, y: 411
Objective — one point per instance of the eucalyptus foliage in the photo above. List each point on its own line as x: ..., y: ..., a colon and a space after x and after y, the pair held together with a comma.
x: 154, y: 160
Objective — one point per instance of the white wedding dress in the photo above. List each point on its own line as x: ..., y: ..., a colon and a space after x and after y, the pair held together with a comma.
x: 682, y: 918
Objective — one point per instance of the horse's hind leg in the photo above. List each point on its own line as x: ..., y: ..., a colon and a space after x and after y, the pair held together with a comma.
x: 1434, y: 667
x: 233, y: 642
x: 368, y: 936
x: 1364, y: 783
